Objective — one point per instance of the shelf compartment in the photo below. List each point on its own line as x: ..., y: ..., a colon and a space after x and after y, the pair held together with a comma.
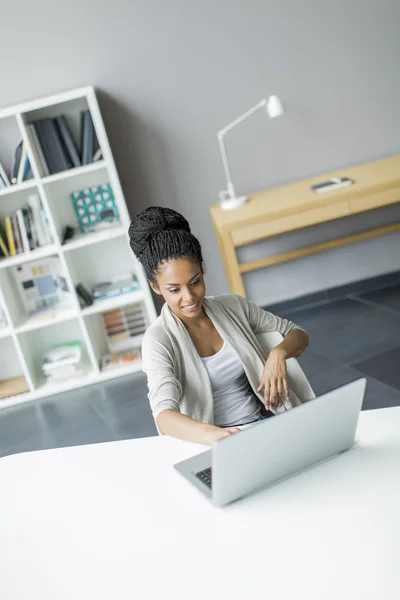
x: 10, y: 136
x: 58, y: 189
x: 36, y: 294
x: 124, y: 334
x: 94, y: 264
x: 36, y: 343
x: 12, y: 380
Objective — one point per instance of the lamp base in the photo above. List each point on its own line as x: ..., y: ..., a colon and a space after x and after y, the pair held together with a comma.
x: 229, y: 203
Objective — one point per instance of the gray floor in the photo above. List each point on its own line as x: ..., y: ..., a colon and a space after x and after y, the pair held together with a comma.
x: 350, y: 337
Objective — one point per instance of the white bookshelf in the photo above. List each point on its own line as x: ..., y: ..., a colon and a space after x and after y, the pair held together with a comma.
x: 86, y: 258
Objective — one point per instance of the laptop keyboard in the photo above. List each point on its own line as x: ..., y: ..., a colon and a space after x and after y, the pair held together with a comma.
x: 205, y: 476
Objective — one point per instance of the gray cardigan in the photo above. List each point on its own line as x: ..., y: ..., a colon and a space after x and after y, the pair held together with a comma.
x: 177, y: 378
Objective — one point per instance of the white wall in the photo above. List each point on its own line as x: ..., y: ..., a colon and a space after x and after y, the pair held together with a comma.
x: 173, y: 73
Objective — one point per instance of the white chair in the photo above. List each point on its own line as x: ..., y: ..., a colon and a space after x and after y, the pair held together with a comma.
x: 298, y: 382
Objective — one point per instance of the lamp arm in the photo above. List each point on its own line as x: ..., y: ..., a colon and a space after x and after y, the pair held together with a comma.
x: 221, y: 135
x: 244, y: 116
x: 228, y: 177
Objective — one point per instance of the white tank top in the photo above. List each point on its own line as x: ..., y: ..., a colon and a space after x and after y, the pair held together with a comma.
x: 234, y: 401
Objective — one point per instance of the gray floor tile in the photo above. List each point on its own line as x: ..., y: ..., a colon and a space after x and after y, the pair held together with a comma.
x: 126, y: 409
x: 352, y: 341
x: 20, y: 423
x: 314, y: 364
x: 389, y: 298
x: 329, y: 315
x: 333, y: 379
x: 377, y: 394
x: 385, y: 367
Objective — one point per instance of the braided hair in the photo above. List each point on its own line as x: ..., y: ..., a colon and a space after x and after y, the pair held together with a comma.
x: 159, y: 234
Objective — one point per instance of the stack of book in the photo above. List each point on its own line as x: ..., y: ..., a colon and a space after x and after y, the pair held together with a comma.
x: 115, y: 286
x: 25, y: 229
x: 63, y: 362
x: 56, y: 148
x: 20, y: 168
x: 124, y: 327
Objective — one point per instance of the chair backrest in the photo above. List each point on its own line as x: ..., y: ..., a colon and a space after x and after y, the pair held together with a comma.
x: 298, y: 382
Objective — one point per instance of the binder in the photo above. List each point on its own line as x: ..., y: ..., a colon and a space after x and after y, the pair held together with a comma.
x: 68, y: 140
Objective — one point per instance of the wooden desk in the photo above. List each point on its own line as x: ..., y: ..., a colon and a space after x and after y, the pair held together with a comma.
x: 295, y: 206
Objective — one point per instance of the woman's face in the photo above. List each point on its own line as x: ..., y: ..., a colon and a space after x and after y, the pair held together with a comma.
x: 181, y: 284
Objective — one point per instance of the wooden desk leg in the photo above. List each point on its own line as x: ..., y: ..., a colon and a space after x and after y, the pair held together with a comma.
x: 231, y: 264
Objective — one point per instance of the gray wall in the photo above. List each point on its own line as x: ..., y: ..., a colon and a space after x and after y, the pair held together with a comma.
x: 171, y: 73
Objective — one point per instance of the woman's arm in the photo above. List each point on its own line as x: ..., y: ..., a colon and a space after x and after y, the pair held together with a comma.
x: 173, y: 423
x: 274, y: 378
x: 293, y: 344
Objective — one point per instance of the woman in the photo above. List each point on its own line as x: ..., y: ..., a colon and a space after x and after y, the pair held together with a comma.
x: 205, y: 368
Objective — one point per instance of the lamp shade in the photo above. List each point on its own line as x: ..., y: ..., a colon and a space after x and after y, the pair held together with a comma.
x: 274, y: 107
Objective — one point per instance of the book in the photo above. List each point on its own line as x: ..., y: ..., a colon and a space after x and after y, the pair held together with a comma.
x: 68, y: 140
x: 10, y: 237
x: 87, y: 137
x: 98, y: 155
x: 16, y: 234
x: 23, y: 231
x: 3, y: 245
x: 34, y: 203
x: 28, y: 218
x: 15, y: 163
x: 39, y: 151
x: 13, y: 387
x: 45, y: 225
x: 23, y: 165
x: 83, y: 294
x: 3, y: 176
x: 114, y: 287
x: 62, y: 355
x: 56, y: 157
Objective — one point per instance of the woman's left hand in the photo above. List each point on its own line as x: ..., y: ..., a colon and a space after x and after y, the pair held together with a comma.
x: 274, y: 379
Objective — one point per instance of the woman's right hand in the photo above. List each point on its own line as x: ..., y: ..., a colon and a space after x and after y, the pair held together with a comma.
x: 218, y: 433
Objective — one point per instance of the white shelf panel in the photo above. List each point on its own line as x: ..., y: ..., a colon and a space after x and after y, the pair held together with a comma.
x: 86, y: 239
x: 96, y: 166
x: 49, y: 389
x: 134, y: 367
x: 5, y: 332
x: 18, y: 187
x: 71, y: 384
x: 114, y: 302
x: 24, y: 257
x: 14, y: 400
x: 46, y: 319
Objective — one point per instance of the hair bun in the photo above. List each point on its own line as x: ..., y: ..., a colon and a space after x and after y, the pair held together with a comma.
x: 152, y: 221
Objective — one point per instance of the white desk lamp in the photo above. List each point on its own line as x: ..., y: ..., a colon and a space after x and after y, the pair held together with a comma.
x: 228, y: 198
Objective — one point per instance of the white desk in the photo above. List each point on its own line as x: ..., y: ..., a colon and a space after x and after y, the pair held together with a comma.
x: 115, y: 521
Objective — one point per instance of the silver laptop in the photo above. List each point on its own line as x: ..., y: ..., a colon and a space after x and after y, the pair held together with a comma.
x: 277, y: 447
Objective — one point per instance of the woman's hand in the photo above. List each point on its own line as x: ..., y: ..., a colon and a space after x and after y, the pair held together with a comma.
x: 217, y: 433
x: 274, y: 379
